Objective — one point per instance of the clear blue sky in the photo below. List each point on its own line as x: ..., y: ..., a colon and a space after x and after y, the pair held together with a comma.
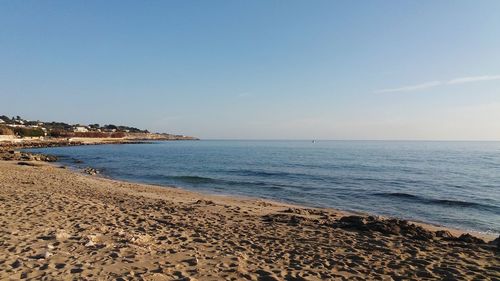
x: 257, y: 69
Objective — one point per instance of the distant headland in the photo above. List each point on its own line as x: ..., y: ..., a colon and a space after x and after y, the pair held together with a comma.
x: 21, y: 132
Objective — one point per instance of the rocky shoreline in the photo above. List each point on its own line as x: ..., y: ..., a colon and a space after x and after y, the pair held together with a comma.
x: 130, y: 138
x: 61, y: 143
x: 16, y: 155
x: 386, y: 226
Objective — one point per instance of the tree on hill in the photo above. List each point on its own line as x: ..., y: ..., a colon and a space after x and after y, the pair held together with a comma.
x: 28, y: 132
x: 110, y: 127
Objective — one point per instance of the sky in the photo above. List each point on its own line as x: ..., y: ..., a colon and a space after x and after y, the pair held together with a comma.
x: 395, y: 70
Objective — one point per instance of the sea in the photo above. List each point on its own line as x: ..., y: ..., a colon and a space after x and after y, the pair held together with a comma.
x: 454, y: 184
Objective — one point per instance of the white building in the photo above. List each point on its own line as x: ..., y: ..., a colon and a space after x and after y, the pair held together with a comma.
x: 80, y: 129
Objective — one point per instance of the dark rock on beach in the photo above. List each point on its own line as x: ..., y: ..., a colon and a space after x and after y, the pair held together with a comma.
x: 353, y: 222
x: 467, y: 238
x: 13, y: 155
x: 91, y: 171
x: 306, y: 212
x: 286, y: 218
x: 23, y: 163
x: 385, y: 226
x: 204, y: 202
x: 496, y: 243
x: 445, y: 234
x: 48, y: 158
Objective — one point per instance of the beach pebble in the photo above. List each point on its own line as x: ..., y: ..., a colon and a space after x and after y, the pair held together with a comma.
x: 114, y: 255
x: 444, y: 234
x: 92, y: 240
x: 43, y: 255
x: 192, y: 261
x: 17, y: 263
x: 47, y: 254
x: 61, y: 235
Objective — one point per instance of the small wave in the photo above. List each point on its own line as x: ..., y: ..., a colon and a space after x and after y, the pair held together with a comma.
x: 396, y: 194
x: 281, y: 175
x: 254, y: 173
x: 194, y: 179
x: 459, y: 203
x: 433, y: 201
x: 221, y: 183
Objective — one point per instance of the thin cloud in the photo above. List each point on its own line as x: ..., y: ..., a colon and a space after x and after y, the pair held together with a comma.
x: 432, y: 84
x: 473, y: 79
x: 412, y: 87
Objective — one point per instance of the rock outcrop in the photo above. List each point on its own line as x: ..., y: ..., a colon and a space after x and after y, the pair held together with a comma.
x: 13, y: 155
x: 385, y: 226
x: 90, y: 171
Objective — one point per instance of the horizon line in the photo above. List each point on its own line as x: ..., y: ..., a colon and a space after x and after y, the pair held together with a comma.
x: 395, y: 140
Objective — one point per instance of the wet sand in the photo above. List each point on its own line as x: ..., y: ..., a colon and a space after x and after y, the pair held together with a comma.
x: 57, y: 224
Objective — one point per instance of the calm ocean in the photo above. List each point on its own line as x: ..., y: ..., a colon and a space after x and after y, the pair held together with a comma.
x: 454, y: 184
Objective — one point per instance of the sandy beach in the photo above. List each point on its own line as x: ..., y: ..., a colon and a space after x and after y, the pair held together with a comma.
x: 250, y: 140
x: 58, y: 224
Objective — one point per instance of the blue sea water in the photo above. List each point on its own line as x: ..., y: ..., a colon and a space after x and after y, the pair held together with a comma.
x: 454, y: 184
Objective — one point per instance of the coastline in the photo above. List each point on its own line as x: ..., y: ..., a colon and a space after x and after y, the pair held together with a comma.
x: 487, y: 237
x: 5, y: 146
x: 456, y: 230
x: 26, y: 144
x: 60, y: 222
x: 60, y: 142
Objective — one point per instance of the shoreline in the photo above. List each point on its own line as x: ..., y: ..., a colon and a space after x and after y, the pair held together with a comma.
x: 486, y: 236
x: 60, y: 223
x: 63, y: 142
x: 100, y: 141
